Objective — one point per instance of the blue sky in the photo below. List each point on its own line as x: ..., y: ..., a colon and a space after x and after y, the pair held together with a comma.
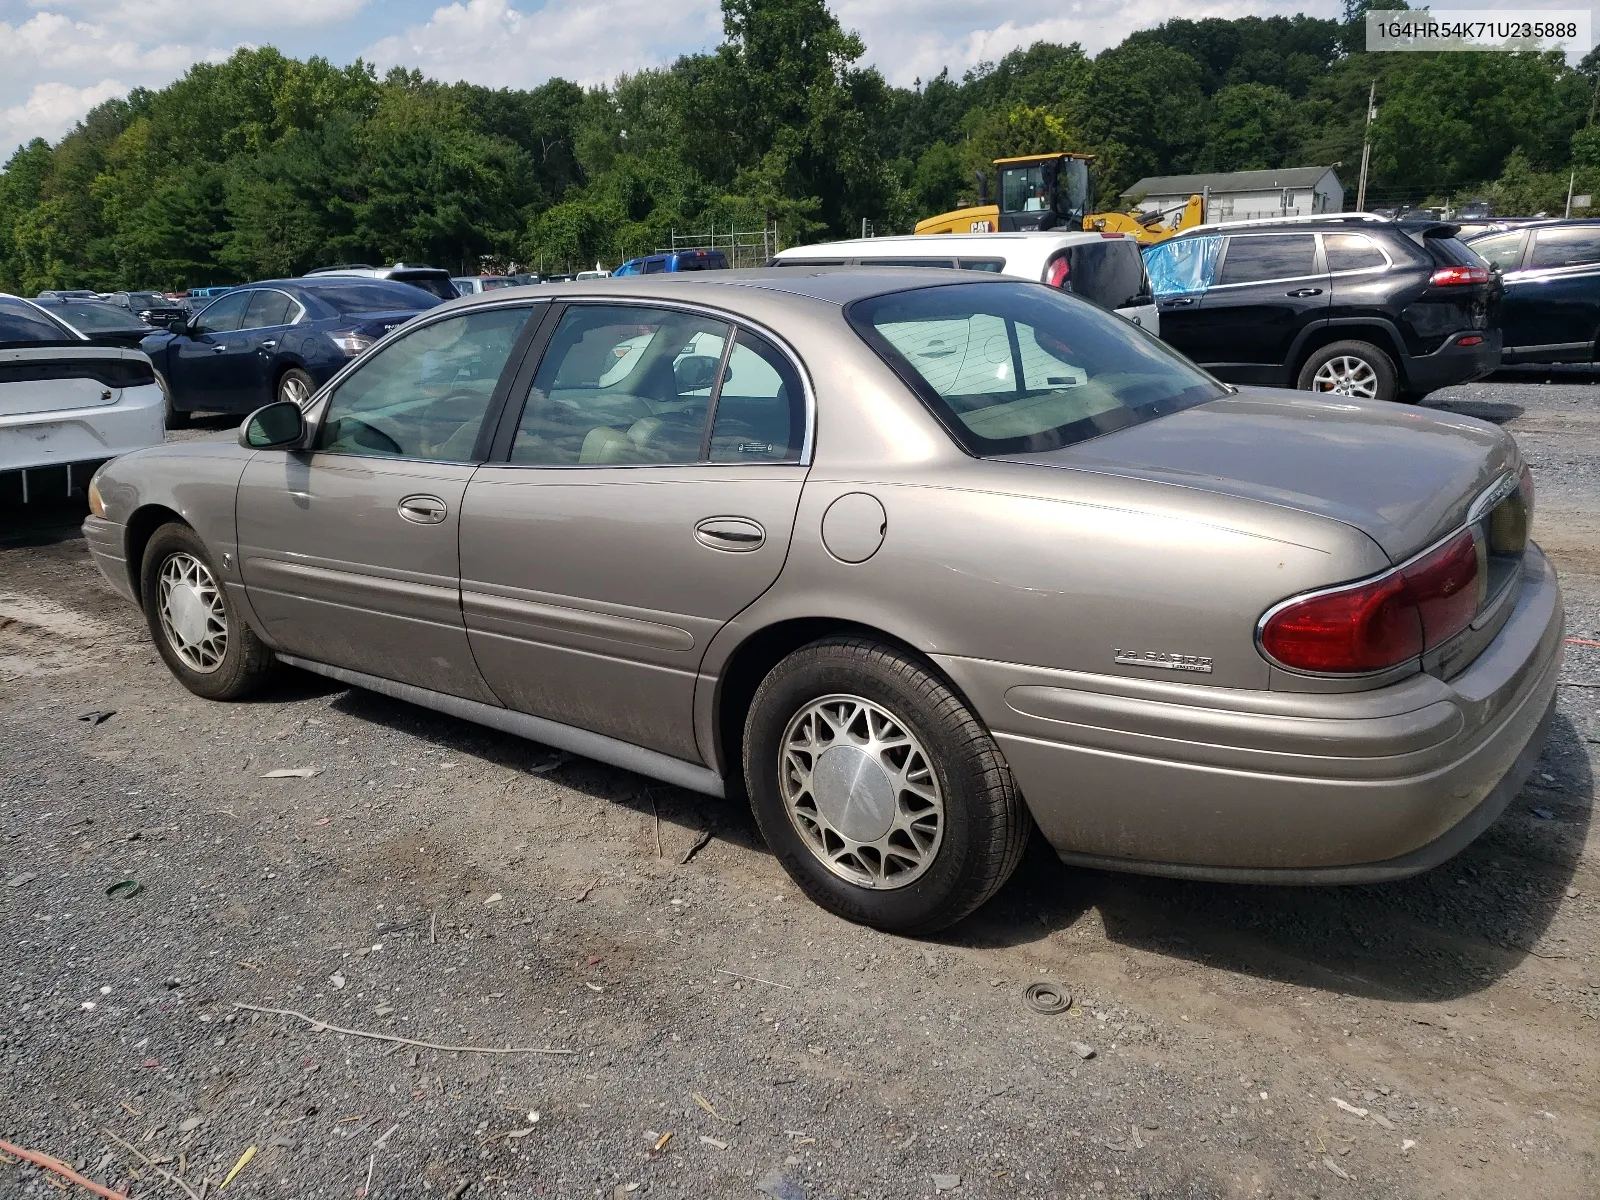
x: 59, y: 58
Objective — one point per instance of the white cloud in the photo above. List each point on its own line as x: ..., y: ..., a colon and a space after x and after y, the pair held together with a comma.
x: 51, y: 109
x: 491, y: 43
x: 171, y: 15
x: 913, y: 39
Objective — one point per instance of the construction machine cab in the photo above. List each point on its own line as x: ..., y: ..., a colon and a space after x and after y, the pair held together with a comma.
x: 1043, y: 191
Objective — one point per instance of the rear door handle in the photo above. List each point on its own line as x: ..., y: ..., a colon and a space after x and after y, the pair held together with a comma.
x: 269, y: 343
x: 423, y: 510
x: 218, y: 349
x: 1178, y: 303
x: 1306, y: 292
x: 736, y: 535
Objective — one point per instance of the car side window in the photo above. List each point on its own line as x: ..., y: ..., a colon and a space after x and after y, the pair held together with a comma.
x: 760, y: 405
x: 1186, y: 265
x: 225, y: 315
x: 621, y: 385
x: 1572, y: 246
x: 424, y: 395
x: 655, y: 266
x: 1267, y: 257
x: 1351, y: 252
x: 1504, y: 250
x: 268, y: 308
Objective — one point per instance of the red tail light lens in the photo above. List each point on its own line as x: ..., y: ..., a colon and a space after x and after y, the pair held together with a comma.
x: 1456, y: 276
x: 1381, y: 622
x: 1056, y: 273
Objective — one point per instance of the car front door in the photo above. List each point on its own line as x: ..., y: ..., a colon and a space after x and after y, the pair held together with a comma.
x: 1552, y: 302
x: 252, y: 383
x: 1180, y: 271
x: 1270, y: 287
x: 349, y: 550
x: 202, y: 360
x: 646, y: 496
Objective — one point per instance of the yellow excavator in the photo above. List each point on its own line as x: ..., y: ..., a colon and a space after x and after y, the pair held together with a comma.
x: 1052, y: 191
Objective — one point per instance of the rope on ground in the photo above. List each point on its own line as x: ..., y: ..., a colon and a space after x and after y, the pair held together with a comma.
x: 323, y: 1026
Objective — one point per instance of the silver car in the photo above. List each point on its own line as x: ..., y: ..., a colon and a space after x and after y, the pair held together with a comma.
x: 915, y: 564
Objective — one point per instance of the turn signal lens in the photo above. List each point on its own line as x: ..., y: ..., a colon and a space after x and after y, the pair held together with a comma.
x: 97, y: 505
x: 1056, y: 273
x: 1527, y: 493
x: 1382, y: 622
x: 1456, y: 276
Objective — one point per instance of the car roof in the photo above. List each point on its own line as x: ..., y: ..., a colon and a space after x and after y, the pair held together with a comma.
x: 835, y: 286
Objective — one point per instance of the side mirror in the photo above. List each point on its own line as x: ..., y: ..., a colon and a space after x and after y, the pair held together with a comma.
x: 695, y: 372
x: 279, y: 426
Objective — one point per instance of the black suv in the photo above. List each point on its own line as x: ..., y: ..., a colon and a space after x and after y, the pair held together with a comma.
x: 1356, y: 305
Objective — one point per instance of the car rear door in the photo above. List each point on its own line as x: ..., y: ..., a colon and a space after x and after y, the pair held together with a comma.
x: 349, y: 550
x: 250, y: 385
x: 202, y: 362
x: 1269, y: 288
x: 639, y: 501
x: 1552, y: 301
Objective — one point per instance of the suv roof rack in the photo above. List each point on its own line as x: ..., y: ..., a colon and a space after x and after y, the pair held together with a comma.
x: 1355, y: 218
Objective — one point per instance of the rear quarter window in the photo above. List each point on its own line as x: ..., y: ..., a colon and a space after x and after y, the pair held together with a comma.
x: 1109, y: 273
x: 23, y: 323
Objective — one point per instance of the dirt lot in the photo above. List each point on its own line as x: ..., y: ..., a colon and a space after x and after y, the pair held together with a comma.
x: 440, y: 882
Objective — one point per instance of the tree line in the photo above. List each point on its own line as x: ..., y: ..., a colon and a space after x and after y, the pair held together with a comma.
x: 265, y: 166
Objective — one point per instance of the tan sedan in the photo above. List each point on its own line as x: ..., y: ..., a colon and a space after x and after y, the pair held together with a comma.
x: 914, y: 560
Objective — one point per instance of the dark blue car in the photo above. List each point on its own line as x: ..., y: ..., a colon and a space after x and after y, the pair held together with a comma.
x: 1551, y: 271
x: 277, y: 340
x: 678, y: 260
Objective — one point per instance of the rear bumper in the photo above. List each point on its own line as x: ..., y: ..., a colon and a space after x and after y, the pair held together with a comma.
x: 1454, y: 363
x: 1275, y: 787
x: 77, y: 435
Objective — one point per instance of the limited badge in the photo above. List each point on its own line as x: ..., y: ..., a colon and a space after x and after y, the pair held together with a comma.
x: 1166, y: 660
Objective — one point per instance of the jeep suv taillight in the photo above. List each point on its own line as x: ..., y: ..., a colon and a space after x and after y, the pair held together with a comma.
x: 1384, y: 621
x: 1055, y: 273
x: 1457, y: 276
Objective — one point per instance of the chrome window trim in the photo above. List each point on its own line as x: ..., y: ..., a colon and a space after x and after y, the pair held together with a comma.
x: 299, y: 314
x: 737, y: 321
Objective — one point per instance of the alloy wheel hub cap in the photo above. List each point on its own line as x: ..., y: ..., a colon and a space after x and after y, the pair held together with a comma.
x: 854, y: 793
x: 189, y: 612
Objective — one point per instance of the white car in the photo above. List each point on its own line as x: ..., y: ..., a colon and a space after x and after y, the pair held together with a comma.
x: 1105, y: 268
x: 66, y: 404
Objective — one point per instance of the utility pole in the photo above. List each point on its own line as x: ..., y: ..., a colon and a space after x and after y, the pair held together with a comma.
x: 1366, y: 148
x: 1571, y: 179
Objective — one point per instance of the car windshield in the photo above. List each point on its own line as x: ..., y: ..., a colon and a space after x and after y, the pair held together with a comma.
x: 1017, y: 367
x: 96, y: 318
x: 376, y: 295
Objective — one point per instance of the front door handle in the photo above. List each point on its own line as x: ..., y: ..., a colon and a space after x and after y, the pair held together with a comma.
x: 218, y: 349
x: 1180, y: 302
x: 736, y: 535
x: 423, y: 510
x: 1306, y: 292
x: 269, y: 343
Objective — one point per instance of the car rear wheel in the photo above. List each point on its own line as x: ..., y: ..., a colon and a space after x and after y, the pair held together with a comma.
x: 878, y: 790
x: 201, y: 638
x: 177, y: 418
x: 295, y: 386
x: 1356, y: 369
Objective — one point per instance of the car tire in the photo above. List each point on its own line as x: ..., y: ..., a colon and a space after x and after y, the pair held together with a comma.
x: 295, y: 386
x: 177, y: 418
x: 197, y: 630
x: 1361, y: 367
x: 924, y: 822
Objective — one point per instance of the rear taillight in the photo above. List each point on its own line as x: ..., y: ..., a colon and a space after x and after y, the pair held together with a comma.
x: 1382, y: 622
x: 1471, y: 339
x: 1456, y: 276
x: 1056, y: 273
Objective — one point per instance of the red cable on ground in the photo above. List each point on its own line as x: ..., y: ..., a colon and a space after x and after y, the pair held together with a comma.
x: 60, y: 1168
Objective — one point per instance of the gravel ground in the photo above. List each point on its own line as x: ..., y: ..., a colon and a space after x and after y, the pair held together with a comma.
x: 443, y: 883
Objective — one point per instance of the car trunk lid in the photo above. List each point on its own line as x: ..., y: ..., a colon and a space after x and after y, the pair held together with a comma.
x: 1405, y: 476
x: 376, y: 324
x: 68, y: 375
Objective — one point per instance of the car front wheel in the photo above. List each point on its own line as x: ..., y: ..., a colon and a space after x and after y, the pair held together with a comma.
x: 199, y: 635
x: 1356, y: 369
x: 295, y: 386
x: 879, y: 791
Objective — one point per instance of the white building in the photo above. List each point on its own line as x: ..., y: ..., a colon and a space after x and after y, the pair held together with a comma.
x: 1245, y: 195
